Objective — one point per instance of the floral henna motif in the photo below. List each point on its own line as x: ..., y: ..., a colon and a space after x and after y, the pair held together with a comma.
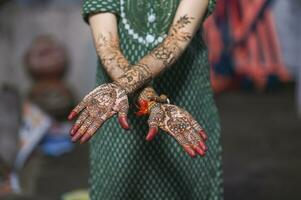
x: 170, y: 49
x: 108, y: 49
x: 179, y: 124
x: 149, y: 94
x: 160, y: 58
x: 135, y: 78
x: 98, y: 106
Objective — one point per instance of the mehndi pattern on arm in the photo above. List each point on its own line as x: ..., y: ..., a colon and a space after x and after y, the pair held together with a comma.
x: 159, y: 59
x: 108, y: 49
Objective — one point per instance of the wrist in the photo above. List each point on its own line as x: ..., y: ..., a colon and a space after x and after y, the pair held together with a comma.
x: 145, y: 105
x: 134, y: 78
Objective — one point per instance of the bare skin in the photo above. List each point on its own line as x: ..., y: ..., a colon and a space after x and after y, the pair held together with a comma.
x: 175, y: 121
x: 109, y: 99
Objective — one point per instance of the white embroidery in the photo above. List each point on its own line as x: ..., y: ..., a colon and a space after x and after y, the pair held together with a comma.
x: 149, y: 38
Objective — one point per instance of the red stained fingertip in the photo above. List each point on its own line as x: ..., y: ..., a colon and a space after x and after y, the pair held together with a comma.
x: 151, y: 133
x: 203, y: 146
x: 190, y: 151
x: 203, y: 135
x: 123, y: 121
x: 76, y: 137
x: 85, y: 138
x: 200, y: 151
x: 72, y: 115
x: 74, y: 129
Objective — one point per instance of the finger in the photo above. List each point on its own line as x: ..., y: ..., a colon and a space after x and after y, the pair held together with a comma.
x: 82, y: 130
x: 90, y: 132
x: 76, y: 110
x: 185, y: 144
x: 195, y: 141
x: 123, y: 121
x: 203, y: 145
x: 79, y: 122
x: 199, y: 150
x: 155, y: 118
x: 122, y: 109
x: 72, y: 115
x: 198, y: 128
x: 76, y: 137
x: 153, y: 131
x: 190, y: 151
x: 203, y: 135
x: 96, y: 124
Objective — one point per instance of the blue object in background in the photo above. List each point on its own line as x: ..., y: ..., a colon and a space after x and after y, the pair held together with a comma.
x: 57, y: 141
x: 56, y: 145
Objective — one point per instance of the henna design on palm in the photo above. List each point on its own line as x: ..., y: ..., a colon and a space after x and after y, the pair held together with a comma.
x: 178, y: 123
x: 175, y: 121
x: 99, y: 105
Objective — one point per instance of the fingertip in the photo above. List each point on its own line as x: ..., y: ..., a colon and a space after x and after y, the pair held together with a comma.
x: 85, y: 138
x: 203, y: 146
x: 151, y: 133
x: 190, y: 152
x: 72, y: 115
x: 200, y: 151
x: 123, y: 121
x: 74, y: 129
x: 203, y: 135
x: 76, y: 137
x: 206, y: 148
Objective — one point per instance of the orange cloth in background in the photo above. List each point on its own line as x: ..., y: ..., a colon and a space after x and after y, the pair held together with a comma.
x: 245, y: 31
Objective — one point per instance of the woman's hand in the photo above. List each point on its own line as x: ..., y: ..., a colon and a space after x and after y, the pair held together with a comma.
x: 99, y: 105
x: 180, y: 124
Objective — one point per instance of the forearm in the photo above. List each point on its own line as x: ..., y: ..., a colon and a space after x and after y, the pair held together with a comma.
x: 186, y: 22
x: 106, y: 41
x: 107, y: 46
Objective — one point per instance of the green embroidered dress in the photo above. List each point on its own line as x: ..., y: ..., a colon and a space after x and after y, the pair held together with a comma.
x: 123, y: 165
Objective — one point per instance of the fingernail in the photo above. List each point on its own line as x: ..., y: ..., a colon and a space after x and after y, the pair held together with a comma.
x: 151, y: 133
x: 123, y: 122
x: 76, y: 137
x: 203, y: 146
x: 190, y: 152
x: 74, y: 129
x: 200, y: 151
x: 204, y: 135
x: 85, y: 138
x: 72, y: 115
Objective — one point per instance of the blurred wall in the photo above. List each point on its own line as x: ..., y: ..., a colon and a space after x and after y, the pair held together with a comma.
x: 19, y: 24
x: 287, y: 16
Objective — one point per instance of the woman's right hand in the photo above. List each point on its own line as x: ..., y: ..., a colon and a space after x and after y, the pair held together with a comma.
x: 98, y: 106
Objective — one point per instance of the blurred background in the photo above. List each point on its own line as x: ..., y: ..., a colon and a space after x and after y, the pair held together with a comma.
x: 48, y: 63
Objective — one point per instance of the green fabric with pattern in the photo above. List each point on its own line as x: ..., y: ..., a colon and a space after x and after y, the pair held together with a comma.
x: 123, y: 165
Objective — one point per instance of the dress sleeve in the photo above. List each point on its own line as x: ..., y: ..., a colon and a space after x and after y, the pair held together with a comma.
x: 97, y: 6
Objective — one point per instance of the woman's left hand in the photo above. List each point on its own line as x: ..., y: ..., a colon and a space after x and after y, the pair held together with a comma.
x: 99, y: 105
x: 178, y: 123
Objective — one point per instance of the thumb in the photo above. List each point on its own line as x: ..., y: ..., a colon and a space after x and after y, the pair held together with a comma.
x: 123, y: 121
x: 156, y: 115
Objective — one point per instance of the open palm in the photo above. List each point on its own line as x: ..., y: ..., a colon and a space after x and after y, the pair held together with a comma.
x: 98, y: 106
x: 178, y: 123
